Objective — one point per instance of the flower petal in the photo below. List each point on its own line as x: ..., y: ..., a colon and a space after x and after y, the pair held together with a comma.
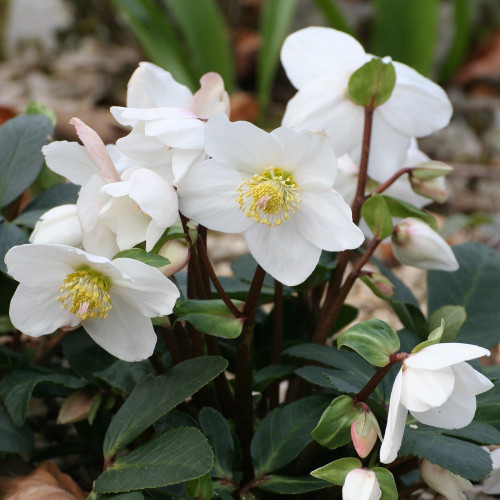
x: 468, y: 381
x: 211, y: 98
x: 396, y: 421
x: 437, y: 356
x: 178, y: 133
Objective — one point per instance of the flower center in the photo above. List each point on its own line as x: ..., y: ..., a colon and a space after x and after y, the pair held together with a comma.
x: 269, y: 197
x: 85, y: 293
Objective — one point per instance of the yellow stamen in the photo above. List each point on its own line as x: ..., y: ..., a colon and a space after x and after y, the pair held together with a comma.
x: 269, y: 197
x: 85, y: 293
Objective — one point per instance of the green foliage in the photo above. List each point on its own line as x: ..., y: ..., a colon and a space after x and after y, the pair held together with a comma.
x: 15, y: 439
x: 335, y: 472
x: 377, y: 216
x: 454, y: 317
x: 124, y: 375
x: 333, y: 15
x: 37, y: 108
x: 400, y: 208
x: 291, y: 485
x: 151, y: 259
x: 10, y: 235
x: 201, y: 487
x: 387, y: 483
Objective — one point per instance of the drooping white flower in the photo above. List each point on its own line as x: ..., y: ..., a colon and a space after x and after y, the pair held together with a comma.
x: 438, y: 388
x: 58, y: 225
x: 167, y: 120
x: 361, y: 484
x: 276, y: 189
x: 117, y: 208
x: 416, y: 244
x: 319, y: 62
x: 63, y: 287
x: 444, y: 482
x: 491, y: 484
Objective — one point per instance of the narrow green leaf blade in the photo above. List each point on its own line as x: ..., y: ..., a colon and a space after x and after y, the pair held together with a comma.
x: 292, y: 485
x: 15, y: 439
x: 151, y: 259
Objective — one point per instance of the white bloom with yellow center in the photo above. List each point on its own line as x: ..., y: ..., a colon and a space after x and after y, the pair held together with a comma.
x: 275, y: 188
x: 63, y: 287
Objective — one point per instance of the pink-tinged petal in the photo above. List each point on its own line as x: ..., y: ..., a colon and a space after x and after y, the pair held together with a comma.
x: 152, y: 87
x: 36, y: 311
x: 455, y: 413
x: 70, y: 160
x: 425, y: 389
x: 417, y: 106
x: 207, y: 193
x: 90, y: 202
x: 241, y: 145
x: 123, y: 333
x: 469, y: 382
x: 325, y: 220
x: 211, y: 98
x: 96, y: 149
x: 155, y: 196
x: 437, y: 356
x: 282, y: 252
x: 149, y: 292
x: 308, y: 155
x: 315, y: 52
x: 322, y: 105
x: 388, y: 150
x: 396, y: 421
x: 178, y: 133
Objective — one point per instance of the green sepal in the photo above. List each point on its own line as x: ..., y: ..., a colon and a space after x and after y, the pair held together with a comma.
x: 402, y: 209
x: 373, y: 83
x: 151, y: 259
x: 374, y: 340
x: 335, y: 472
x: 334, y: 427
x: 94, y: 406
x: 433, y: 338
x: 377, y: 216
x: 387, y: 484
x: 454, y: 317
x: 200, y: 488
x: 37, y: 108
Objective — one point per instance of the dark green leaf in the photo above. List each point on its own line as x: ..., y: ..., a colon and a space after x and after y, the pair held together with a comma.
x: 336, y: 471
x: 292, y: 485
x: 200, y: 488
x: 62, y: 194
x: 284, y: 433
x: 14, y: 439
x: 265, y: 376
x: 10, y: 235
x: 400, y: 208
x: 159, y: 395
x: 124, y: 375
x: 151, y: 259
x: 173, y: 457
x: 21, y: 141
x: 454, y: 317
x: 387, y: 483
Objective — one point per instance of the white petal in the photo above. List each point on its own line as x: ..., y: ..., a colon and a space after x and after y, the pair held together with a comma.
x: 240, y: 144
x: 437, y: 356
x: 455, y: 413
x: 36, y: 311
x: 491, y: 484
x: 182, y: 161
x: 149, y: 292
x: 58, y: 225
x: 90, y: 202
x: 424, y: 389
x: 396, y: 421
x: 325, y: 220
x: 123, y: 333
x: 314, y: 52
x: 101, y: 240
x: 361, y: 484
x: 417, y: 106
x: 211, y: 98
x: 309, y: 155
x: 282, y: 252
x: 70, y: 160
x: 469, y: 382
x: 321, y: 105
x: 178, y: 133
x: 152, y: 87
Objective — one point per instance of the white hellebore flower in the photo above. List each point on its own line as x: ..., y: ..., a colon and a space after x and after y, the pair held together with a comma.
x: 438, y: 388
x: 63, y: 287
x: 58, y: 225
x: 164, y: 114
x: 491, y: 485
x: 444, y: 482
x: 361, y: 484
x: 416, y: 244
x: 319, y: 62
x: 276, y: 189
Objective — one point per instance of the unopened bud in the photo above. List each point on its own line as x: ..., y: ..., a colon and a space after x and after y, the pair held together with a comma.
x: 361, y: 484
x: 364, y: 432
x: 430, y: 170
x: 177, y: 252
x: 434, y: 189
x: 59, y: 225
x: 379, y: 284
x: 416, y: 244
x: 443, y: 481
x: 75, y: 407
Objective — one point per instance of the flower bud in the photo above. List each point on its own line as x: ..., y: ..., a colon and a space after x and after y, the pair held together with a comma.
x: 443, y: 481
x: 433, y: 189
x: 58, y: 225
x: 75, y: 407
x: 361, y: 484
x: 416, y: 244
x: 177, y: 252
x: 430, y: 170
x: 364, y: 431
x: 379, y: 284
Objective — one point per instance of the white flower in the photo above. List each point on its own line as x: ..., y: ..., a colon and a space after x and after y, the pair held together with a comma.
x: 165, y: 114
x: 115, y: 211
x: 416, y: 244
x: 361, y: 484
x: 58, y: 225
x: 319, y: 62
x: 438, y: 388
x: 444, y: 482
x: 276, y: 189
x: 491, y: 485
x: 63, y: 287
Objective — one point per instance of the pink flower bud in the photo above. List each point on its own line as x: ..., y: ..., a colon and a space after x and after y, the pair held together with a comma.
x: 75, y: 407
x: 364, y: 431
x: 177, y: 252
x: 433, y: 188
